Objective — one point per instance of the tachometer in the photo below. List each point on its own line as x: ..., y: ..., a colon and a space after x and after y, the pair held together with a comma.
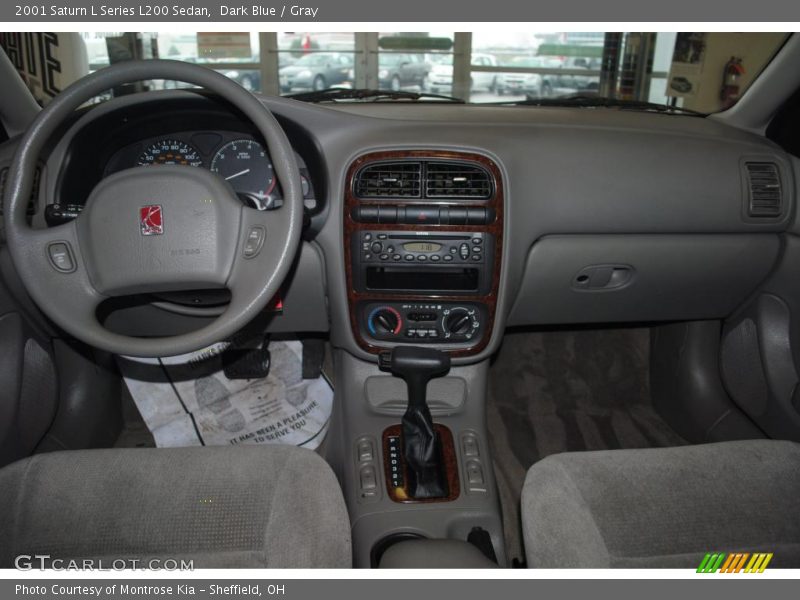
x: 170, y: 152
x: 245, y: 165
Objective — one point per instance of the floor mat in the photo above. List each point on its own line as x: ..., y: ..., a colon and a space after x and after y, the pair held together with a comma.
x: 567, y: 391
x: 189, y: 401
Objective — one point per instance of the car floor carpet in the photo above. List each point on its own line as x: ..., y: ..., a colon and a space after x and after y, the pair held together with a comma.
x: 225, y: 395
x: 135, y: 433
x: 567, y: 391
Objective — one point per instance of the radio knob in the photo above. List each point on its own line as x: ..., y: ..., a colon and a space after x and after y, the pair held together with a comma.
x: 384, y: 320
x: 377, y: 247
x: 458, y: 322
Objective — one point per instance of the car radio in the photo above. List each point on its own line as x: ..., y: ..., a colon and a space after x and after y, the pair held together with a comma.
x: 429, y: 262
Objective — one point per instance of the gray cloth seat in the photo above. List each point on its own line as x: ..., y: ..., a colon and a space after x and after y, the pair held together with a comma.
x: 265, y: 506
x: 663, y: 507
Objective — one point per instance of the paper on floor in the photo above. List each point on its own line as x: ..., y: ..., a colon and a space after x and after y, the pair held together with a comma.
x: 185, y: 399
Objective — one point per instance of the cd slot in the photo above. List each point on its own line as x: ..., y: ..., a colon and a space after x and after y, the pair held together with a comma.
x: 438, y: 236
x: 439, y: 279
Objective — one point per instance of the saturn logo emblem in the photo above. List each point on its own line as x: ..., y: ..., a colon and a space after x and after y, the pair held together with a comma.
x: 151, y: 221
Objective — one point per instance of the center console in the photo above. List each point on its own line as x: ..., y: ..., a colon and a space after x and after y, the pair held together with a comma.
x: 423, y: 240
x: 423, y: 244
x: 370, y: 453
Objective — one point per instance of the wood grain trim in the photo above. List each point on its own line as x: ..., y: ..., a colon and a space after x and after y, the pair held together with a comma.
x: 353, y: 228
x: 448, y: 458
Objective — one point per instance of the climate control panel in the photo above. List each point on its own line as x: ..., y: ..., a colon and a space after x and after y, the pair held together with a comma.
x: 423, y: 322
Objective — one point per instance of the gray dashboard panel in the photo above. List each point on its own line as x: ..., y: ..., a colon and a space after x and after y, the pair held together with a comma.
x: 591, y: 172
x: 566, y: 172
x: 672, y: 277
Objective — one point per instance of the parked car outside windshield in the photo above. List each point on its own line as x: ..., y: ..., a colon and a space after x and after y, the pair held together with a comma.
x: 441, y: 75
x: 316, y: 71
x: 533, y: 84
x: 399, y: 70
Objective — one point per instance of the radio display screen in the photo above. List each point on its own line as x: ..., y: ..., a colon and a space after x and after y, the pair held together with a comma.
x: 422, y: 247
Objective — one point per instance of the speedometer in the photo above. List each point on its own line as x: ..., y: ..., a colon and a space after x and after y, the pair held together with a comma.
x: 170, y: 152
x: 245, y: 165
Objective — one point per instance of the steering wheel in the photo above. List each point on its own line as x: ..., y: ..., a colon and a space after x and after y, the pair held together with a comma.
x: 146, y: 230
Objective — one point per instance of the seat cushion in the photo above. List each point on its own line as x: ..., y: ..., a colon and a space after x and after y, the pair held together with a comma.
x: 663, y: 507
x: 254, y: 506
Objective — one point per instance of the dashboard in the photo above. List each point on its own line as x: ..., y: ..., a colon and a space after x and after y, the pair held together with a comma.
x: 586, y: 216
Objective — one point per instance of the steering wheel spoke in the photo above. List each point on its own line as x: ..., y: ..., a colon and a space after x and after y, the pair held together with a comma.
x: 259, y: 246
x: 67, y: 281
x: 60, y: 238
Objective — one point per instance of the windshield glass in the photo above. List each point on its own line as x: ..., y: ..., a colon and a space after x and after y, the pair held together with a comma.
x: 313, y: 60
x: 705, y: 72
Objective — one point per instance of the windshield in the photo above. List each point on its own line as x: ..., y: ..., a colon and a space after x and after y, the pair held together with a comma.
x: 535, y: 61
x: 704, y: 72
x: 312, y: 60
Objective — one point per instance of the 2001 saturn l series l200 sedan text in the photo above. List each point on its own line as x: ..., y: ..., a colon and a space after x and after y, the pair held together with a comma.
x: 107, y: 10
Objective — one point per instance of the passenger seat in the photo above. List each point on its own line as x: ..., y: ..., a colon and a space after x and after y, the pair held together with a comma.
x: 663, y: 507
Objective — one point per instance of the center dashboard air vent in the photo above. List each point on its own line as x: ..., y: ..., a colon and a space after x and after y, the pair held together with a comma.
x: 456, y: 180
x: 426, y: 179
x: 765, y: 197
x: 389, y: 180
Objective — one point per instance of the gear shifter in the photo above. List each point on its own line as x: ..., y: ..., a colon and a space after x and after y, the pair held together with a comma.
x: 422, y: 447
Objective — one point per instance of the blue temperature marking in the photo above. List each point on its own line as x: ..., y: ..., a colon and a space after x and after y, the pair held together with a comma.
x: 369, y: 320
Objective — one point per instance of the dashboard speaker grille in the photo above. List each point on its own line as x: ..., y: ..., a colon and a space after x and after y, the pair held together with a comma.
x: 764, y: 184
x: 456, y: 180
x: 390, y: 180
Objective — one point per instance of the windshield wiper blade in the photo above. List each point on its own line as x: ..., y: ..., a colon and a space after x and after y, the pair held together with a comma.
x: 586, y: 101
x: 335, y: 94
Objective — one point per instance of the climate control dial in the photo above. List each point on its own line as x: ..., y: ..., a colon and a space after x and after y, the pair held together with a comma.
x: 385, y: 320
x: 460, y: 323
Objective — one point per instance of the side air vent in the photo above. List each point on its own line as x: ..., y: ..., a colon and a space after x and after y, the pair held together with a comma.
x: 457, y: 180
x: 34, y: 190
x: 764, y: 185
x: 389, y: 180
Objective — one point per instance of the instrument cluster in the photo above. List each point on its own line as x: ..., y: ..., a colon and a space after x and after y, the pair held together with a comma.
x: 237, y: 158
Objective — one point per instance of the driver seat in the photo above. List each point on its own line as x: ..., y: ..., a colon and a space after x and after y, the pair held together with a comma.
x: 253, y: 506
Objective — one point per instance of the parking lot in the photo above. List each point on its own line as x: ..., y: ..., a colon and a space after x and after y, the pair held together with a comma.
x: 494, y: 97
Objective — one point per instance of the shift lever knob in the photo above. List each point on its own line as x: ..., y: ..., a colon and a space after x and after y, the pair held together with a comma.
x: 421, y: 444
x: 417, y: 366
